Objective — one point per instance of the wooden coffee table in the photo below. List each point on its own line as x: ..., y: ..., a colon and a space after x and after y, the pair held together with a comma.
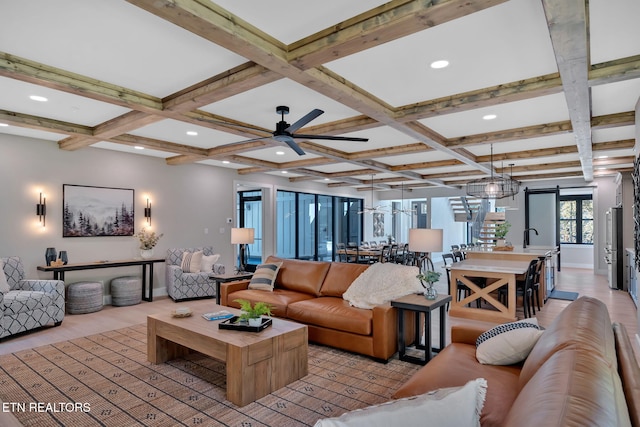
x: 258, y: 363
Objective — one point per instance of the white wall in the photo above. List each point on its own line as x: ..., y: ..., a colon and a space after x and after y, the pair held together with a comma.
x: 186, y: 200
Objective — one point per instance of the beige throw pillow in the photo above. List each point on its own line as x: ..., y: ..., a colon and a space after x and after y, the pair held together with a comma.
x: 208, y: 261
x: 508, y: 343
x: 265, y: 276
x: 191, y: 262
x: 455, y: 406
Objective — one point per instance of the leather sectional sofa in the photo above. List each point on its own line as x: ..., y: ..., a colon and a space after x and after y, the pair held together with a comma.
x: 310, y: 292
x: 581, y: 372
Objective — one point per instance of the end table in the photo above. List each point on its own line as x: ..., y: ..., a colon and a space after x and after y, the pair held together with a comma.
x: 227, y: 277
x: 419, y: 304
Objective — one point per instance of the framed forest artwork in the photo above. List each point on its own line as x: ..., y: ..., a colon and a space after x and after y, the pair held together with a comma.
x: 97, y: 211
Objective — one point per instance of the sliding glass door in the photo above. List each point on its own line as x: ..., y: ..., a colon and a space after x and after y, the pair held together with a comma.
x: 309, y: 224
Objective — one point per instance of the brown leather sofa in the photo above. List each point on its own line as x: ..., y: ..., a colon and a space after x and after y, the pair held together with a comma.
x: 310, y: 292
x: 581, y: 372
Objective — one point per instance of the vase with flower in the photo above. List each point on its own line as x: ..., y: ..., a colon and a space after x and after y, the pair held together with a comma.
x: 430, y: 277
x: 148, y: 241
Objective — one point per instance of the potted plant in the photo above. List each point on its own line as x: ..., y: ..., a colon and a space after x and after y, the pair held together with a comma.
x: 430, y: 277
x: 500, y: 231
x: 253, y: 314
x: 148, y: 240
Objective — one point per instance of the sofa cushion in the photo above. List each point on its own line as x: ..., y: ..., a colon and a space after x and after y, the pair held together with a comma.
x: 16, y: 302
x: 191, y: 262
x: 585, y: 323
x: 454, y: 406
x: 301, y: 276
x: 340, y: 277
x: 455, y: 366
x: 332, y: 313
x: 279, y: 299
x: 574, y: 387
x: 508, y: 343
x: 265, y: 276
x: 382, y: 282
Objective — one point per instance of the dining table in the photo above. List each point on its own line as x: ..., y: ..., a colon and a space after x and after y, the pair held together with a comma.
x: 373, y: 253
x: 497, y: 273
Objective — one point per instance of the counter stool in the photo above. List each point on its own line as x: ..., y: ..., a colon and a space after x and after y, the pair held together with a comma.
x: 84, y: 297
x: 126, y: 290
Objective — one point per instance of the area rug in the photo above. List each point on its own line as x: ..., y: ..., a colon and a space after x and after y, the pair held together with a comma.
x: 564, y: 295
x: 105, y: 380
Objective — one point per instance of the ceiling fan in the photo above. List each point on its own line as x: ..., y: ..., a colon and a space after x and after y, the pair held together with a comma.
x: 286, y: 133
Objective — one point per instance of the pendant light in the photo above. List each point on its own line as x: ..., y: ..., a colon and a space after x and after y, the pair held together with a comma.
x: 495, y: 187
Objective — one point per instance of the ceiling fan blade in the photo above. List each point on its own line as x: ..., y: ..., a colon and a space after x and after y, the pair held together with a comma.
x: 303, y: 121
x: 291, y: 143
x: 329, y: 137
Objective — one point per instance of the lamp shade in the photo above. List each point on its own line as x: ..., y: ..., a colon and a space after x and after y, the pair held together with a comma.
x: 425, y: 240
x: 242, y: 236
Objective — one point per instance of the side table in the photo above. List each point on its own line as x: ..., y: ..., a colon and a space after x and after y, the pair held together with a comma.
x: 419, y: 304
x: 225, y: 278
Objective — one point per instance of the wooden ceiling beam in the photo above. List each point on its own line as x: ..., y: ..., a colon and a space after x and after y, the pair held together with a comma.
x: 43, y: 124
x: 22, y: 69
x: 567, y: 21
x: 388, y: 22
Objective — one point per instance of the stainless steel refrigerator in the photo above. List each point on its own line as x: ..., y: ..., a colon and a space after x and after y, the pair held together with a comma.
x: 613, y: 253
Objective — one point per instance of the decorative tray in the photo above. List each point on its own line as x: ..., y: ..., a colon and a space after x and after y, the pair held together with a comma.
x: 231, y: 324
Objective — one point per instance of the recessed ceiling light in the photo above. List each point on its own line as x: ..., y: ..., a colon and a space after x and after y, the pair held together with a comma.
x: 280, y: 153
x: 4, y: 124
x: 442, y: 63
x: 489, y: 117
x: 138, y: 147
x: 226, y: 162
x: 602, y: 157
x: 326, y: 179
x: 285, y: 172
x: 38, y: 98
x: 192, y: 133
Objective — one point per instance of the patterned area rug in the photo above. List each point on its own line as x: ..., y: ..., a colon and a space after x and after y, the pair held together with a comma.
x: 105, y: 380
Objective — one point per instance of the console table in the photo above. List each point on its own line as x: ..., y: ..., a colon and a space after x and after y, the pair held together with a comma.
x: 58, y: 271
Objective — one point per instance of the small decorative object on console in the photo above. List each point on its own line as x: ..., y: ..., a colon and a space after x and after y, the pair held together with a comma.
x: 148, y: 240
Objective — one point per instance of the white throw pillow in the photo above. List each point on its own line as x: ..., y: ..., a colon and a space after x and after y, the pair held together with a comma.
x: 455, y: 406
x: 191, y: 262
x: 4, y: 286
x: 508, y: 343
x: 265, y: 276
x: 208, y: 261
x: 382, y: 282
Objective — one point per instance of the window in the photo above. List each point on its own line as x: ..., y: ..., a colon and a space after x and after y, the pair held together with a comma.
x: 308, y: 225
x: 576, y: 219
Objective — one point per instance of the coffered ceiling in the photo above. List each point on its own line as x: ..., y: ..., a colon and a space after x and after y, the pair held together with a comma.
x: 561, y: 78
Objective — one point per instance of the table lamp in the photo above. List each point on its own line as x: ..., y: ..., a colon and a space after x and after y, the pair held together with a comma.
x: 242, y: 237
x: 423, y: 241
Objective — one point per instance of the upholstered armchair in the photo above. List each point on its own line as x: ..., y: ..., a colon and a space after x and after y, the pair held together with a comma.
x: 182, y: 285
x: 29, y: 304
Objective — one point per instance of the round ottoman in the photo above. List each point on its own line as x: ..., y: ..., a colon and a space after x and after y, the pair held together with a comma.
x: 84, y: 297
x: 126, y: 290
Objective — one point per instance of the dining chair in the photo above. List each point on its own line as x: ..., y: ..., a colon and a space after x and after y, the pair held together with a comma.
x: 524, y: 289
x: 341, y: 249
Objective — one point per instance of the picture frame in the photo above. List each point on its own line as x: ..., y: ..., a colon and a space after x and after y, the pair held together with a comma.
x: 90, y: 211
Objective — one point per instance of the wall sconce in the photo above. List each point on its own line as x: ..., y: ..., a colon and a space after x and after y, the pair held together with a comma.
x: 41, y: 209
x: 147, y: 211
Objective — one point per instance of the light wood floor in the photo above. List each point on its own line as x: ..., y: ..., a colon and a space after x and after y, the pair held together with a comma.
x: 620, y: 305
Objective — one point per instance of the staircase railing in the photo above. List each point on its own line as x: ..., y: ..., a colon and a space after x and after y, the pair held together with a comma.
x: 478, y: 221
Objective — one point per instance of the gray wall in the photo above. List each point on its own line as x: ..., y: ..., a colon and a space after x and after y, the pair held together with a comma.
x: 186, y: 200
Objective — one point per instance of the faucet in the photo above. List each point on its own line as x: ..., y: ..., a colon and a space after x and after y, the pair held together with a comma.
x: 526, y: 235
